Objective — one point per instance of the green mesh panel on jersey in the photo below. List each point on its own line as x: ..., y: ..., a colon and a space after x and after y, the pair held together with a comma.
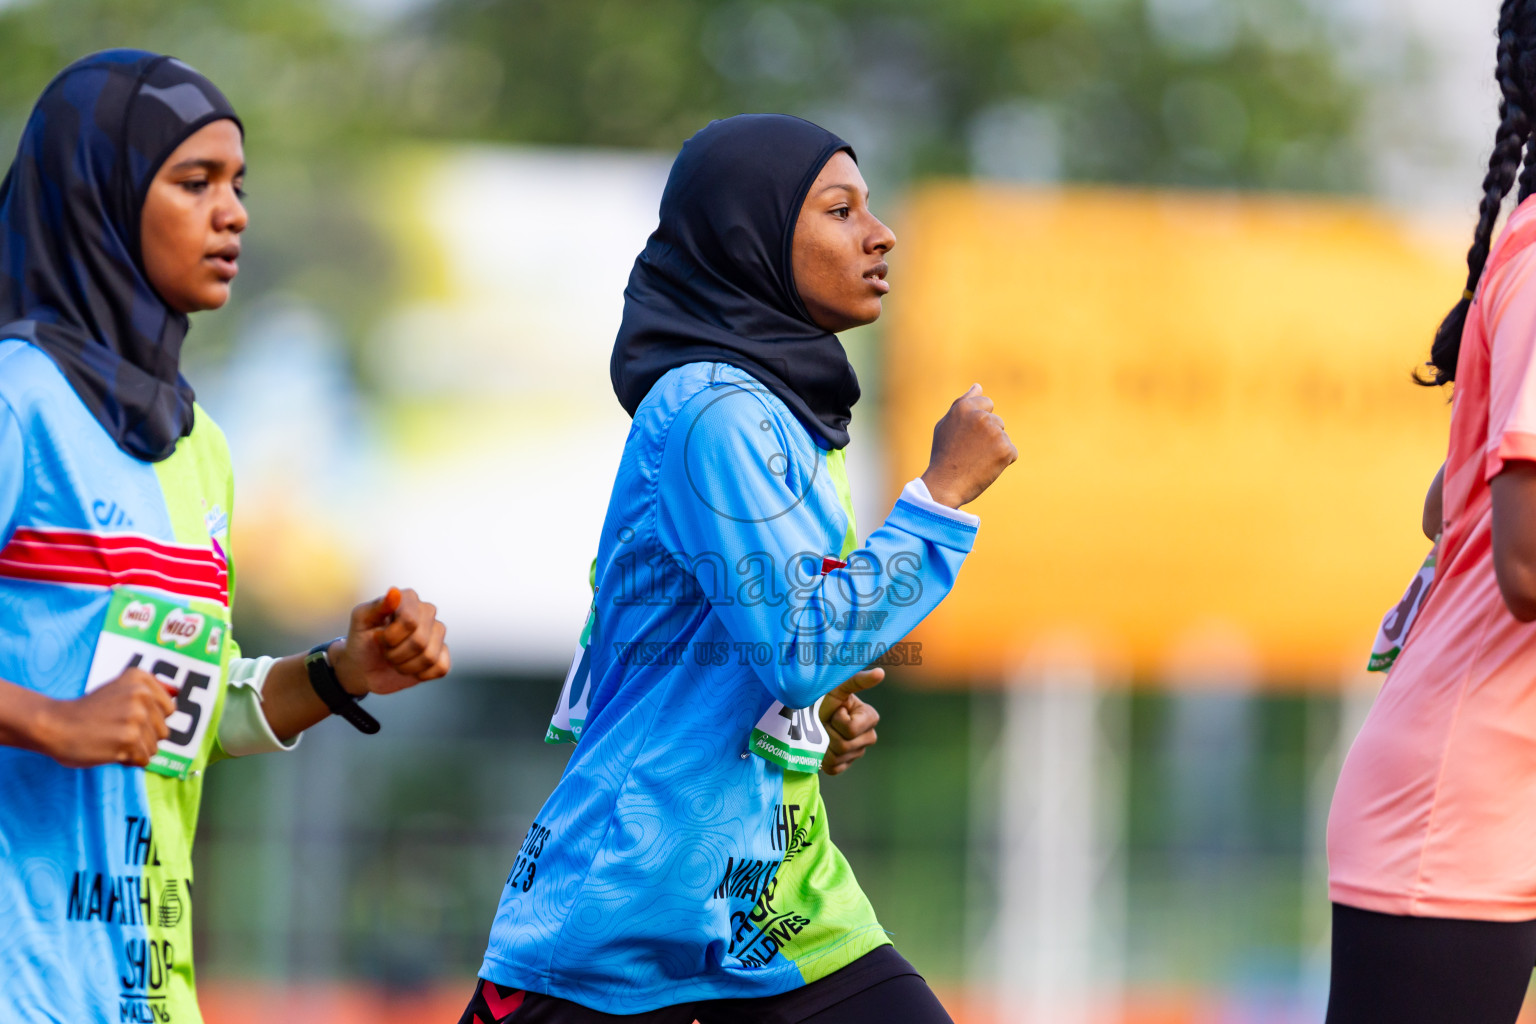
x: 198, y: 488
x: 814, y: 911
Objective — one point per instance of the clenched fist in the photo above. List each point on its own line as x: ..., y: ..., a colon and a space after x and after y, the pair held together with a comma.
x: 121, y: 722
x: 392, y: 643
x: 970, y: 450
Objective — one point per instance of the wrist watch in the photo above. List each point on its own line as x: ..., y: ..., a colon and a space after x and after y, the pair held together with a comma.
x: 323, y: 678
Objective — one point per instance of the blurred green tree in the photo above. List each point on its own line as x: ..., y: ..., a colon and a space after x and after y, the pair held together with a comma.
x: 300, y: 79
x: 1250, y: 94
x: 1198, y: 92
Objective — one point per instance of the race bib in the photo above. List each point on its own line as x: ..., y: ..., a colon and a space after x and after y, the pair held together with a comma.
x: 182, y: 647
x: 794, y: 740
x: 570, y: 716
x: 1394, y: 628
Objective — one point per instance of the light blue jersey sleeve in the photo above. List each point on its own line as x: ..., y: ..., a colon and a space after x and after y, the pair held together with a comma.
x: 744, y: 496
x: 13, y: 470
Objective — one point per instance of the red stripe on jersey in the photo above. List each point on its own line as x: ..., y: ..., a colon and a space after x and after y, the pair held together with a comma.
x: 117, y: 559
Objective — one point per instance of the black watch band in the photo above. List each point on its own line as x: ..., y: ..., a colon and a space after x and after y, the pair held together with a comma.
x: 323, y: 678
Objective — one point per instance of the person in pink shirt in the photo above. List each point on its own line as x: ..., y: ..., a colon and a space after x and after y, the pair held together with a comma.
x: 1432, y: 834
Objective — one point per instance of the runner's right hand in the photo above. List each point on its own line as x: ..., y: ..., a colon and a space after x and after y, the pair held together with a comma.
x: 120, y: 723
x: 970, y: 450
x: 850, y: 721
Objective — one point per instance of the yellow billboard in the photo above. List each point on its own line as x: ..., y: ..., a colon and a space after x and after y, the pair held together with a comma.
x: 1222, y: 458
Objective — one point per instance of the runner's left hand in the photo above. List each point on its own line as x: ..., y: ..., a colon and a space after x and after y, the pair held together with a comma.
x: 392, y: 644
x: 850, y: 721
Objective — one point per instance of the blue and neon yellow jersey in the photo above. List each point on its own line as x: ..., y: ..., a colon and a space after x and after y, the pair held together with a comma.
x: 672, y: 863
x: 96, y: 888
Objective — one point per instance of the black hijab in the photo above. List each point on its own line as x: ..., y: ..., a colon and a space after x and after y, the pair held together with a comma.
x: 71, y: 275
x: 715, y: 282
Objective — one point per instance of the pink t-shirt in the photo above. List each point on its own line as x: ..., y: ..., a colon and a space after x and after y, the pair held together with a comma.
x: 1435, y: 811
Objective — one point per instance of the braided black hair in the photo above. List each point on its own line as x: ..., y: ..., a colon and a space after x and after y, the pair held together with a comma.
x: 1513, y: 145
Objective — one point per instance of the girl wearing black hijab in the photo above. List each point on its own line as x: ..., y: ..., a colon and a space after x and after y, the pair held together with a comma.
x: 119, y: 681
x: 683, y: 868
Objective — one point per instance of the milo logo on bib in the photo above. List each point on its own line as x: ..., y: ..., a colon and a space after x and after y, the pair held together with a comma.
x: 137, y: 615
x: 180, y: 628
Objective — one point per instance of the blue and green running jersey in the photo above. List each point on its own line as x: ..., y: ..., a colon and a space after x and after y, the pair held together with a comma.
x: 96, y: 889
x: 673, y: 863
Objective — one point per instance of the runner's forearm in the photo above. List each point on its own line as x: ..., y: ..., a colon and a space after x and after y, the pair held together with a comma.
x: 25, y: 718
x: 289, y: 702
x: 1513, y: 530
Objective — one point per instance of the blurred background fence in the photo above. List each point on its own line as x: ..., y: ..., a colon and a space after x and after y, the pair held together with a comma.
x: 1194, y: 247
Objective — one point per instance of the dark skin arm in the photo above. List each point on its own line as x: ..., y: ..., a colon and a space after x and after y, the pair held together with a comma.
x: 1514, y: 537
x: 1434, y: 518
x: 970, y: 450
x: 121, y: 723
x: 392, y: 643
